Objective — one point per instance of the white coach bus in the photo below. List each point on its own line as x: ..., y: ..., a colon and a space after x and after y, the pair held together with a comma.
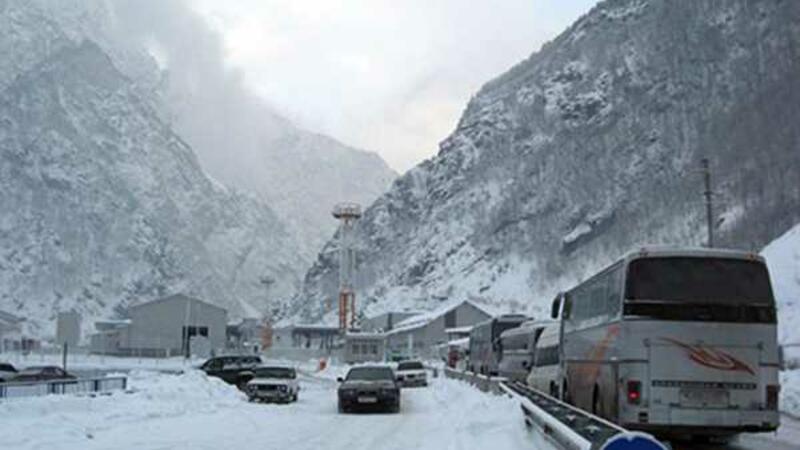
x: 517, y: 346
x: 674, y: 342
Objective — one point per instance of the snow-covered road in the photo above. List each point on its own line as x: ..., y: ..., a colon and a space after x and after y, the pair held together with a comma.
x: 190, y: 411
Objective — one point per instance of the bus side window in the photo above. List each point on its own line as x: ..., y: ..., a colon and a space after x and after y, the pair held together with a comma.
x: 566, y: 313
x: 614, y: 292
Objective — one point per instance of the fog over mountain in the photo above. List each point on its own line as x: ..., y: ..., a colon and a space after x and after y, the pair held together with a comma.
x: 588, y: 149
x: 241, y: 140
x: 106, y: 202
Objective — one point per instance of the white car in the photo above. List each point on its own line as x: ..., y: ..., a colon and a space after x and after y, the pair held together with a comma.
x: 7, y: 372
x: 411, y: 373
x: 273, y: 384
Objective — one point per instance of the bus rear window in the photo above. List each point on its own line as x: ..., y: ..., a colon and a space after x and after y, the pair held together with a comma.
x: 705, y: 281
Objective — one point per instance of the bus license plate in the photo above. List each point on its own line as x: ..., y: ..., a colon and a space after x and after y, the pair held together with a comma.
x: 367, y: 400
x: 704, y: 397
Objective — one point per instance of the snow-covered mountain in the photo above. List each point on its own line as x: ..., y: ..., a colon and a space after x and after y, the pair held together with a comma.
x: 587, y: 149
x: 238, y: 138
x: 301, y: 175
x: 105, y: 204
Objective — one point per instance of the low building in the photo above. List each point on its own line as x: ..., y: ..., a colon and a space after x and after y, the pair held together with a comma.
x: 418, y: 336
x: 12, y: 334
x: 386, y: 321
x: 318, y: 337
x: 364, y: 347
x: 246, y: 336
x: 458, y: 332
x: 174, y: 325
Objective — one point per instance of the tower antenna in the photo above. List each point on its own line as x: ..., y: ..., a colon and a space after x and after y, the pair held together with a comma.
x: 347, y: 214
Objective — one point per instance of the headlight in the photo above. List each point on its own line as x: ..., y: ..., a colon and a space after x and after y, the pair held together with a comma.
x: 282, y: 388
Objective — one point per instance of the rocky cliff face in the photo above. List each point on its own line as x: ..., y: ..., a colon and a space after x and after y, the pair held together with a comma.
x: 590, y: 148
x: 104, y: 200
x: 103, y: 204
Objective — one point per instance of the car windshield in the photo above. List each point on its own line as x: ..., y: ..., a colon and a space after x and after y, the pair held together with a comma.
x: 411, y: 365
x: 370, y: 374
x: 275, y: 372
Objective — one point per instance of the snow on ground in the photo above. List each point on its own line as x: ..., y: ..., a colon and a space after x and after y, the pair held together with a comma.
x: 790, y: 392
x: 783, y: 259
x: 192, y: 411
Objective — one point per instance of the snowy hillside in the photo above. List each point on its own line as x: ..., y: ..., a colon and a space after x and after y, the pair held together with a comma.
x: 238, y: 138
x: 300, y: 174
x: 783, y: 259
x: 588, y: 149
x: 103, y: 204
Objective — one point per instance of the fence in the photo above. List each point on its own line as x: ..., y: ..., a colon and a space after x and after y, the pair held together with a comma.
x: 79, y: 386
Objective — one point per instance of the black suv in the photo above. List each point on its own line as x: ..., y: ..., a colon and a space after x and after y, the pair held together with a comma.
x: 369, y: 387
x: 7, y: 372
x: 236, y: 370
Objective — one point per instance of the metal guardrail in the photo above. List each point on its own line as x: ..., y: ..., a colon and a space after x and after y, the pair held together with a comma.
x: 482, y: 382
x: 50, y: 387
x: 565, y: 425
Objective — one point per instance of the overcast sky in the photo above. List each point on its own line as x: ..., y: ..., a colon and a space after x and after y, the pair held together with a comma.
x: 391, y: 76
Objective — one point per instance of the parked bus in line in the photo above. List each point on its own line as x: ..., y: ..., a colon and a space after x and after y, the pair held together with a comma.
x: 484, y: 343
x: 517, y: 346
x: 674, y: 342
x: 546, y: 369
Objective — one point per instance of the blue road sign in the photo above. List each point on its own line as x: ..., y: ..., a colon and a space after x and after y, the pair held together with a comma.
x: 633, y: 441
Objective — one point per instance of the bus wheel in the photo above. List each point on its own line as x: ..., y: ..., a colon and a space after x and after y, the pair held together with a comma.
x: 553, y: 390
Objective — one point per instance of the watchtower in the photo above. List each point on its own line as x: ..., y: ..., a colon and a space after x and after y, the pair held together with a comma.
x: 347, y: 214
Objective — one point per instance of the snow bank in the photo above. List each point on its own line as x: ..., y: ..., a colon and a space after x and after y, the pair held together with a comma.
x: 65, y: 421
x: 783, y: 259
x: 790, y: 392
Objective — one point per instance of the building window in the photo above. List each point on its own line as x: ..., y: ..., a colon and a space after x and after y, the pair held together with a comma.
x: 374, y: 349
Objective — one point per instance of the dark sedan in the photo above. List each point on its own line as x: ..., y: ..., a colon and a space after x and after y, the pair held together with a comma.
x: 42, y: 373
x: 369, y: 387
x: 237, y: 370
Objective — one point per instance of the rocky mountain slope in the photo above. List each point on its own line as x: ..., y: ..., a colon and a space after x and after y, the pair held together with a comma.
x: 300, y: 174
x: 103, y: 204
x: 588, y: 149
x: 239, y: 139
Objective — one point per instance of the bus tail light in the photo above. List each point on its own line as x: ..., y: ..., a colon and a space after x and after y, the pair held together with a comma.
x: 634, y: 392
x: 772, y: 396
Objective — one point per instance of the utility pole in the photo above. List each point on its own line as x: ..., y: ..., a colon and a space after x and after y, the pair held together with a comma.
x: 708, y: 194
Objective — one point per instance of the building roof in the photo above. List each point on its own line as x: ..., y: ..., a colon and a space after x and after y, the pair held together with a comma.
x: 420, y: 320
x: 178, y: 297
x: 10, y: 318
x: 456, y: 330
